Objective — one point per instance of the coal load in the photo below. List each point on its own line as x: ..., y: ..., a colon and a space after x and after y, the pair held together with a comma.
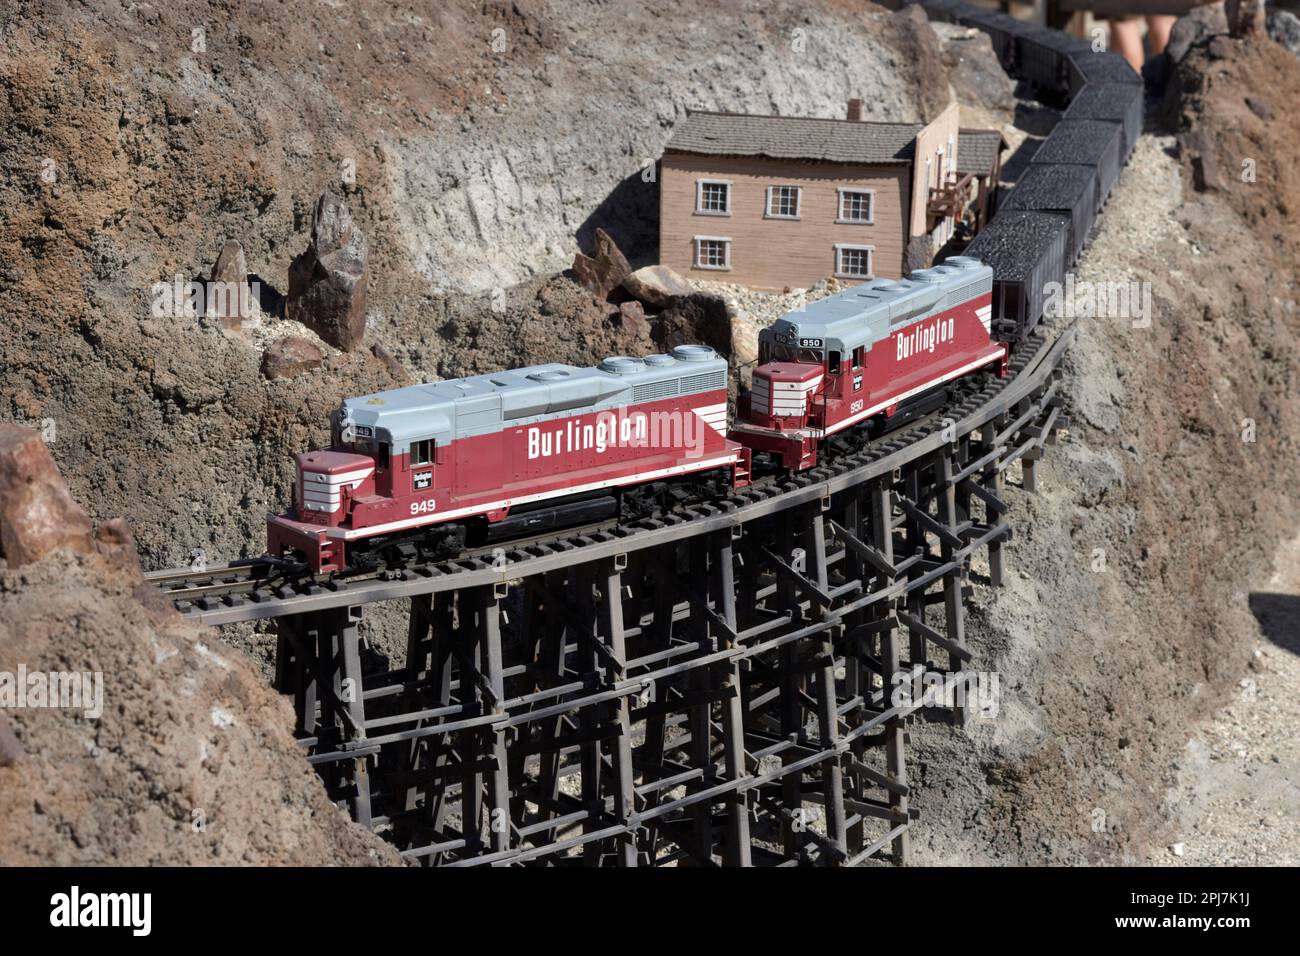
x: 1065, y: 189
x: 1085, y: 143
x: 1112, y: 103
x: 1086, y: 68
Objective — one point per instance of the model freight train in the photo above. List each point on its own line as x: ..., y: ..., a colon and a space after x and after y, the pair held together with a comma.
x: 427, y: 469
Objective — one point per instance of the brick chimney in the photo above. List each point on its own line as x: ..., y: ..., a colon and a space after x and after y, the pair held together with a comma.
x: 855, y: 110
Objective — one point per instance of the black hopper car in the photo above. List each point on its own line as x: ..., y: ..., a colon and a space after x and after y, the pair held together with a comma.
x: 1045, y: 222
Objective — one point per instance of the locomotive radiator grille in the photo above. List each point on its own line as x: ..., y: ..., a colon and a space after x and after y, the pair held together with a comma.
x: 319, y: 491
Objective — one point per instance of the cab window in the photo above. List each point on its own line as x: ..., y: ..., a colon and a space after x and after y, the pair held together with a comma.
x: 422, y: 452
x: 833, y: 362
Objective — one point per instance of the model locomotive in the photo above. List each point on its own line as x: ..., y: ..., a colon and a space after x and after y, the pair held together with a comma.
x: 427, y: 469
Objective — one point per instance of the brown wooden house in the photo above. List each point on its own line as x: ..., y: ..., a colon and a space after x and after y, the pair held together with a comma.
x: 772, y: 202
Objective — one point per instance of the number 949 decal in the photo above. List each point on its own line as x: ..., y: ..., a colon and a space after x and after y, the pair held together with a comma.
x: 423, y: 507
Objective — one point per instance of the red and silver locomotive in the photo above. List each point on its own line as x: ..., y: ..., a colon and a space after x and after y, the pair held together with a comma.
x: 427, y: 469
x: 858, y: 356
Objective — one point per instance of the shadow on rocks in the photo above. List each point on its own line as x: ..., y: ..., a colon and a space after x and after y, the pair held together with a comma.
x: 1279, y: 618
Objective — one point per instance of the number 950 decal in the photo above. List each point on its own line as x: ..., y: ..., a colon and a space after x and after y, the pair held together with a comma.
x: 423, y: 507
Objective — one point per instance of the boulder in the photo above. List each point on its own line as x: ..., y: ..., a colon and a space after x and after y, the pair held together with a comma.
x: 1197, y: 148
x: 977, y: 77
x: 918, y: 253
x: 1221, y: 48
x: 605, y: 271
x: 116, y: 545
x: 232, y: 301
x: 11, y: 748
x: 699, y: 317
x: 290, y: 357
x: 327, y: 283
x: 395, y: 368
x: 37, y: 514
x: 1259, y: 108
x: 1200, y: 24
x: 656, y: 285
x: 631, y: 313
x: 1245, y: 17
x: 231, y: 266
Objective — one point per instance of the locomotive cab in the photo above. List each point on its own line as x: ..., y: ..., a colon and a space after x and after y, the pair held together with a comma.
x: 786, y: 400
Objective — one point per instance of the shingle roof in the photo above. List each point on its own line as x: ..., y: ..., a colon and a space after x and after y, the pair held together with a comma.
x: 795, y: 137
x: 977, y: 150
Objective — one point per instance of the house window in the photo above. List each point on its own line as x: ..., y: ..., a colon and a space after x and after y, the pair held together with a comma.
x: 422, y: 452
x: 712, y: 252
x: 853, y: 262
x: 782, y: 202
x: 857, y: 205
x: 713, y: 197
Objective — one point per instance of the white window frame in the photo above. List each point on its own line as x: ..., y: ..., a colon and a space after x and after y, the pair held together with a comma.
x: 699, y: 197
x: 871, y: 207
x: 726, y: 248
x: 798, y: 203
x: 871, y: 260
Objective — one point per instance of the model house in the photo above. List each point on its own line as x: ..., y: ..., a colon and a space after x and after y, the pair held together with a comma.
x: 777, y: 201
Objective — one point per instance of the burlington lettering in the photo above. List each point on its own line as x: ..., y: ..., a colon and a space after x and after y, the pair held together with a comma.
x: 924, y: 336
x: 608, y: 431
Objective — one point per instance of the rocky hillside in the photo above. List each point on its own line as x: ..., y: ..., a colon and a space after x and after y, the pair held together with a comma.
x: 1128, y: 617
